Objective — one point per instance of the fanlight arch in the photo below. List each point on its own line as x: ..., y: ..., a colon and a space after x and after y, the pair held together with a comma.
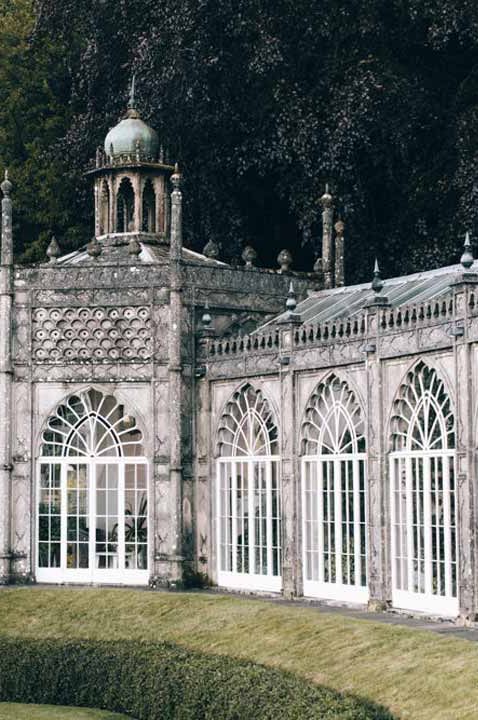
x: 423, y: 495
x: 333, y: 423
x: 334, y: 494
x: 247, y: 426
x: 91, y: 424
x: 423, y: 418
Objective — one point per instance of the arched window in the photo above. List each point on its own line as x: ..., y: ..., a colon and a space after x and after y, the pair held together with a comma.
x: 125, y: 207
x: 149, y: 208
x: 92, y: 494
x: 104, y: 208
x: 423, y: 495
x: 334, y: 494
x: 248, y: 494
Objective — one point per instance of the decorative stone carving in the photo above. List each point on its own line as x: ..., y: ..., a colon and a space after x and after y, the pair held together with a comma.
x: 93, y: 334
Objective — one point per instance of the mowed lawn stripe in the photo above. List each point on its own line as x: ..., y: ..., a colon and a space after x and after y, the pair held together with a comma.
x: 417, y: 674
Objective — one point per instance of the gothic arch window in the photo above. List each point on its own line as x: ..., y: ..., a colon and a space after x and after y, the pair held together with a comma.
x: 334, y: 493
x: 248, y: 494
x: 149, y: 208
x: 92, y: 494
x: 423, y: 495
x: 125, y: 207
x: 104, y: 208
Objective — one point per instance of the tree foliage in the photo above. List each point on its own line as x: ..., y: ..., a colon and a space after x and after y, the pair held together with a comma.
x: 262, y: 102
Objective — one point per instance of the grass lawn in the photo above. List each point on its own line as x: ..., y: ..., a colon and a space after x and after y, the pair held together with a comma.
x: 418, y: 675
x: 14, y: 711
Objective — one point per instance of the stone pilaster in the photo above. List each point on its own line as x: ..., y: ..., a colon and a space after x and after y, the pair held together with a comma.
x: 465, y: 479
x: 377, y: 468
x: 291, y: 553
x: 175, y: 384
x: 6, y: 377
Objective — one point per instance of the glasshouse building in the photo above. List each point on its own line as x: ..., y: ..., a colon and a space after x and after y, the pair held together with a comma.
x: 165, y: 416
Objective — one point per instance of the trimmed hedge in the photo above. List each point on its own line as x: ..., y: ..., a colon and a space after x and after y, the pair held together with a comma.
x: 161, y: 681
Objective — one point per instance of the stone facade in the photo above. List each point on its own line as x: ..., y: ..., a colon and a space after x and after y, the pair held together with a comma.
x: 230, y: 398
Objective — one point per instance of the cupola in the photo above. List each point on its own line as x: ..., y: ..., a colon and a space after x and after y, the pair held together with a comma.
x: 130, y: 181
x: 132, y: 137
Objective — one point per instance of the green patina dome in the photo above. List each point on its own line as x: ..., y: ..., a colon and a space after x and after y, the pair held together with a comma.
x: 130, y: 136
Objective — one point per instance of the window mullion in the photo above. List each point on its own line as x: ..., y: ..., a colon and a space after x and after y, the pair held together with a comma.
x: 427, y: 525
x: 268, y: 468
x: 338, y: 520
x: 63, y: 514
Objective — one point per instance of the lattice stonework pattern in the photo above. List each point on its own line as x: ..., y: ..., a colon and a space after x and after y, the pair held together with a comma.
x: 92, y: 334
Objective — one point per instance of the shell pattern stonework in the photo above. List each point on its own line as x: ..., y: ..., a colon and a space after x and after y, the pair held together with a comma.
x: 95, y: 334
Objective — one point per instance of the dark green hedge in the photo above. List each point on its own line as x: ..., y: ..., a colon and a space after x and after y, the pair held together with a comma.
x: 152, y: 681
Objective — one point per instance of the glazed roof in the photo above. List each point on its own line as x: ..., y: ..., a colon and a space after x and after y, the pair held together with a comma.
x: 328, y: 305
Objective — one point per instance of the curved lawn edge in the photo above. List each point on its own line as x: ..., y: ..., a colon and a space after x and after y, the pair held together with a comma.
x: 17, y: 711
x: 158, y: 681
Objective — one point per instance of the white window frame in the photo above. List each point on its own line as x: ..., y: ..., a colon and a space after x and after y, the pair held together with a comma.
x: 320, y: 588
x: 426, y: 601
x: 251, y: 580
x: 92, y: 574
x: 60, y: 435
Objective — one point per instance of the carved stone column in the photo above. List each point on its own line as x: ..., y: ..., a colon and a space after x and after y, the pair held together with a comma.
x: 327, y: 238
x: 465, y: 455
x: 175, y: 384
x: 6, y: 377
x: 379, y: 580
x: 291, y: 547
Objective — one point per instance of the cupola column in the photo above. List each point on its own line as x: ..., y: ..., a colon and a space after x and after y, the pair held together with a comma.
x: 6, y: 302
x: 327, y: 238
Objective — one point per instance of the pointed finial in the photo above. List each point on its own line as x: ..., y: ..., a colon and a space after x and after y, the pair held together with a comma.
x: 93, y: 248
x: 53, y: 250
x: 291, y: 302
x: 176, y: 177
x: 249, y: 255
x: 211, y: 250
x: 206, y: 318
x: 467, y: 256
x: 377, y: 282
x: 326, y: 200
x: 132, y: 98
x: 6, y: 185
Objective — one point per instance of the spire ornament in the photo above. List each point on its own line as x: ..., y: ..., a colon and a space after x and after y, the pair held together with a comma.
x: 211, y: 250
x: 6, y: 186
x: 377, y: 284
x: 249, y: 255
x: 53, y: 250
x: 132, y: 97
x: 290, y: 316
x: 467, y: 258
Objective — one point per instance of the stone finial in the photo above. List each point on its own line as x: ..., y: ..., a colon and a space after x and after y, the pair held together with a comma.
x: 317, y: 267
x: 93, y: 248
x: 249, y: 255
x: 291, y: 302
x: 176, y: 177
x: 132, y: 93
x: 326, y: 200
x: 206, y: 318
x: 377, y: 282
x: 53, y: 250
x: 339, y: 227
x: 467, y: 258
x: 211, y: 250
x: 284, y: 259
x: 134, y: 248
x: 6, y: 185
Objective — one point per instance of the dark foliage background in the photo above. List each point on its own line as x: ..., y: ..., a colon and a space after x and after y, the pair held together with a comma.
x: 261, y: 102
